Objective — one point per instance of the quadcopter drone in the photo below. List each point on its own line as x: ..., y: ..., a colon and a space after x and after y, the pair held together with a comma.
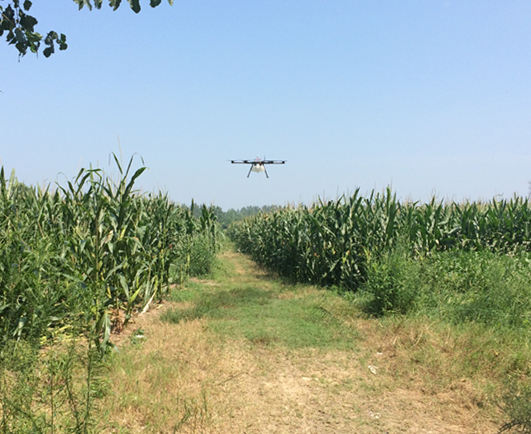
x: 258, y: 165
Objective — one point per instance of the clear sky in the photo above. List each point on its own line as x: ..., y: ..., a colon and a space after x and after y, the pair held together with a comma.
x: 432, y: 97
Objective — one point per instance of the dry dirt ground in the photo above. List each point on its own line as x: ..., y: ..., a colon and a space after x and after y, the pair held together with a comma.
x: 185, y: 379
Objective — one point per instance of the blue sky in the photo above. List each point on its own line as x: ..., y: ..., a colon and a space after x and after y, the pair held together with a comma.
x: 431, y: 97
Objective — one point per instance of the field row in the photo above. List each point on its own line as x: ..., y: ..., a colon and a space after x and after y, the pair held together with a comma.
x: 332, y: 243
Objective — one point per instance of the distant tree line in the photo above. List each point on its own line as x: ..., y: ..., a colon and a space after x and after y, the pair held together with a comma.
x: 225, y: 218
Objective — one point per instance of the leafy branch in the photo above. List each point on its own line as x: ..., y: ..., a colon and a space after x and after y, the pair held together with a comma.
x: 19, y: 25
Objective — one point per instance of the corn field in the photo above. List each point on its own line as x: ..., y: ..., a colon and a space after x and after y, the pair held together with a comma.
x: 91, y: 252
x: 331, y: 243
x: 76, y: 263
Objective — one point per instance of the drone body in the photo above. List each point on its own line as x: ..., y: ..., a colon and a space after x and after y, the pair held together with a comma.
x: 258, y: 165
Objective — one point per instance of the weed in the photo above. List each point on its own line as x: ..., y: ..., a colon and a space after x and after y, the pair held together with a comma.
x: 516, y: 406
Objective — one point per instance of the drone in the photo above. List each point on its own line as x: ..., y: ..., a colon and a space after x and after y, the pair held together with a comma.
x: 258, y: 165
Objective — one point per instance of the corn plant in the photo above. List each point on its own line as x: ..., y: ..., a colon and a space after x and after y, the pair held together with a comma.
x: 88, y: 251
x: 331, y: 243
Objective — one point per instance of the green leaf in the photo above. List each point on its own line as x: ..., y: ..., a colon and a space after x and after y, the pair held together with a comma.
x: 135, y: 5
x: 115, y: 4
x: 62, y: 42
x: 48, y: 51
x: 50, y: 38
x: 82, y: 3
x: 20, y: 37
x: 27, y: 5
x: 8, y: 18
x: 27, y: 22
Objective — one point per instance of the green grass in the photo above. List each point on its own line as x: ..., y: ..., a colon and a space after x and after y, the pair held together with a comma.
x: 265, y: 311
x: 266, y: 317
x: 457, y: 287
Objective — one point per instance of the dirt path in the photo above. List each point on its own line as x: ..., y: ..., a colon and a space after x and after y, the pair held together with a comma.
x: 187, y: 378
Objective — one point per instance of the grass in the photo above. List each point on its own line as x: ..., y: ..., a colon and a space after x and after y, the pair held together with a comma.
x: 241, y: 349
x: 169, y: 380
x: 467, y: 316
x: 150, y: 391
x: 266, y: 313
x: 53, y: 389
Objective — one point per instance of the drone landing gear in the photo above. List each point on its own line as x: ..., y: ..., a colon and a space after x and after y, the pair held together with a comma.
x: 258, y: 168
